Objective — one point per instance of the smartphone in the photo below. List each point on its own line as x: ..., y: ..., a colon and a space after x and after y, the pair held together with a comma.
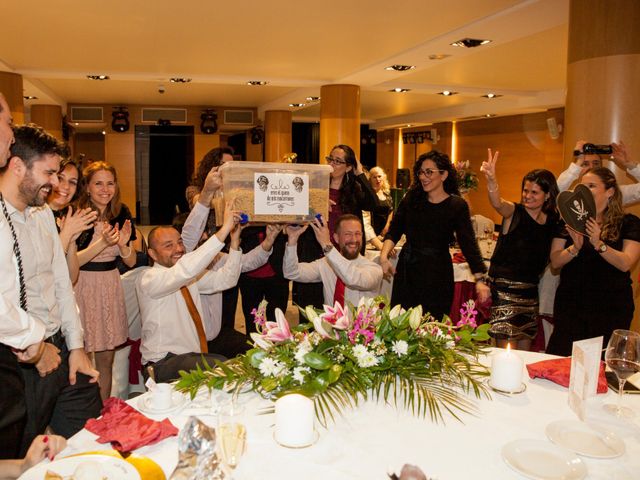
x: 612, y: 380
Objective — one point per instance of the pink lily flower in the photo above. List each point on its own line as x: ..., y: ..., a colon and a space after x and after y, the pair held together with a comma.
x: 336, y: 316
x: 279, y: 330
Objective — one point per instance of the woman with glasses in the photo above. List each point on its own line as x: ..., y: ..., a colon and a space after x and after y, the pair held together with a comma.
x: 429, y: 215
x: 521, y: 254
x: 349, y: 192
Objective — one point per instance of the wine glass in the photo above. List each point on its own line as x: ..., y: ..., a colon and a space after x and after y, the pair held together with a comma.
x: 623, y: 357
x: 231, y: 435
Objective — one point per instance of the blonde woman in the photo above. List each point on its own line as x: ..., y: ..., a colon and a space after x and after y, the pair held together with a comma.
x: 377, y: 221
x: 98, y: 290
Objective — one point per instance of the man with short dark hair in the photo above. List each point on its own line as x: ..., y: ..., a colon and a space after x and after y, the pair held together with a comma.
x: 346, y: 275
x: 173, y: 334
x: 61, y: 389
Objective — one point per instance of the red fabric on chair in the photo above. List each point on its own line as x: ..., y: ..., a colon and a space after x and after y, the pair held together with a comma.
x: 463, y: 291
x: 126, y: 428
x: 338, y: 295
x: 135, y: 361
x: 558, y: 370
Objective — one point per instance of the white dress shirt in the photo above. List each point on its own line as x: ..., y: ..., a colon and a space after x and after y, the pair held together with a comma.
x: 212, y: 302
x: 167, y: 325
x: 630, y: 192
x: 361, y: 277
x: 50, y: 299
x: 18, y: 329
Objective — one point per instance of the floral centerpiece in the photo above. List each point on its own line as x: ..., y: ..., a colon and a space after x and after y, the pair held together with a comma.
x: 345, y: 355
x: 466, y: 178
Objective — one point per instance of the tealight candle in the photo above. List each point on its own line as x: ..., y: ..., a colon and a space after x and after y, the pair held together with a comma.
x: 294, y: 421
x: 506, y: 370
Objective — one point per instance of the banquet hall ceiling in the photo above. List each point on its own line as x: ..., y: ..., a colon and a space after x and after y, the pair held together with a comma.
x: 296, y: 47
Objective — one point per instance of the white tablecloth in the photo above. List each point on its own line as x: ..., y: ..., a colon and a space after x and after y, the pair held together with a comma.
x: 369, y: 440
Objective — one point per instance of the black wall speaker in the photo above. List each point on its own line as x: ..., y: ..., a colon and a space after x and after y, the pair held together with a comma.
x: 403, y: 178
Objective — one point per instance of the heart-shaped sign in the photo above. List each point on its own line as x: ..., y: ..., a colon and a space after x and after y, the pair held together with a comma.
x: 577, y: 207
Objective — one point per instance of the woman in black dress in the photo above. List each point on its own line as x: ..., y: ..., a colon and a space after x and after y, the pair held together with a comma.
x: 521, y: 254
x: 595, y: 296
x: 429, y: 214
x: 377, y: 221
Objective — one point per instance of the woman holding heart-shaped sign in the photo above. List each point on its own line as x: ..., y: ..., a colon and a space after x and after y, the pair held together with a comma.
x: 595, y: 296
x: 521, y: 254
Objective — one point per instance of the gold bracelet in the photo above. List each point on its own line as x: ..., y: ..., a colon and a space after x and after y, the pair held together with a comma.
x: 574, y: 255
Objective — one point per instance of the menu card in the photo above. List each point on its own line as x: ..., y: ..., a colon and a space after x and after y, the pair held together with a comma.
x: 585, y: 368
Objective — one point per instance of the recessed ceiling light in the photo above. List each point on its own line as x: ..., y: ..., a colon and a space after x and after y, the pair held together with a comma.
x: 491, y: 95
x: 409, y: 125
x: 98, y: 77
x: 179, y: 80
x: 30, y: 97
x: 313, y: 99
x: 400, y: 68
x: 76, y: 124
x: 489, y: 115
x: 438, y: 56
x: 470, y: 42
x: 400, y: 90
x: 104, y: 132
x: 447, y: 93
x: 296, y: 105
x: 256, y: 82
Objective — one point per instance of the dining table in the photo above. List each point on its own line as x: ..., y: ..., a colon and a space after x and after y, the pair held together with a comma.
x: 374, y: 439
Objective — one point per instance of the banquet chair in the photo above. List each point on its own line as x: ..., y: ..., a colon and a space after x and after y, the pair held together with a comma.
x: 481, y: 222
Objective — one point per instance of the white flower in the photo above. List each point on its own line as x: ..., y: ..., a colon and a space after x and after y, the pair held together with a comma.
x: 359, y: 351
x: 271, y: 368
x: 302, y: 349
x: 368, y: 360
x: 299, y: 374
x: 415, y: 317
x: 400, y: 347
x: 450, y: 344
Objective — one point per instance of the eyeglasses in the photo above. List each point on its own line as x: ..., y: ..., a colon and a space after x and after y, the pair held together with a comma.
x: 335, y: 161
x: 428, y: 172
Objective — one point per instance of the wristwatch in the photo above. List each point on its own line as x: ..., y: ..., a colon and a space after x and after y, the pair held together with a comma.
x: 327, y: 248
x: 602, y: 248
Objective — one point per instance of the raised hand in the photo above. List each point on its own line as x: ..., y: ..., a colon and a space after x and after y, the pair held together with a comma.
x: 321, y: 230
x: 110, y: 234
x: 577, y: 238
x: 125, y: 233
x: 489, y: 167
x: 620, y: 156
x: 593, y: 230
x: 294, y: 232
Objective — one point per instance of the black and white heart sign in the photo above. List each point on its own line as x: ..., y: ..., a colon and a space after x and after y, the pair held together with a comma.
x: 577, y: 207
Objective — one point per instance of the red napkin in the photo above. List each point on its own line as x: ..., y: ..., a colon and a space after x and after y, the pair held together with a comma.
x: 458, y: 257
x: 558, y: 370
x: 126, y: 428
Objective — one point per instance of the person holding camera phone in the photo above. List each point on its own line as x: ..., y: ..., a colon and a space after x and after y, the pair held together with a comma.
x: 587, y: 155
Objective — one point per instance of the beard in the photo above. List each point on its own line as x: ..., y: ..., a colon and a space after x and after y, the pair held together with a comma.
x: 349, y: 255
x: 30, y: 191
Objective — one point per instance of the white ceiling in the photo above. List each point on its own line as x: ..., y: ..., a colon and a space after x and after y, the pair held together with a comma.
x: 297, y: 47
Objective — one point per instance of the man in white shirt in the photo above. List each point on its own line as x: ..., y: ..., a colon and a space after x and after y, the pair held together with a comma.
x: 173, y: 337
x: 346, y: 275
x: 61, y: 389
x: 584, y: 161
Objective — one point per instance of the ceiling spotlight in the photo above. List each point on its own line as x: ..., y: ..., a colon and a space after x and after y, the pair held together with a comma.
x: 256, y: 82
x: 438, y: 56
x: 120, y: 122
x: 179, y: 80
x: 489, y: 115
x: 313, y: 99
x: 400, y: 68
x: 30, y: 97
x: 400, y: 90
x: 98, y: 77
x: 491, y: 95
x: 470, y: 42
x: 296, y: 105
x: 447, y: 93
x: 104, y: 132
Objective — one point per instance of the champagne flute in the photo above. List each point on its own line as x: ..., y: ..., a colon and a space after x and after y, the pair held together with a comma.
x: 231, y: 435
x: 623, y: 357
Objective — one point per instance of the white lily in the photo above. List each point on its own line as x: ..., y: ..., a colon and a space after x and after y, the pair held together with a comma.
x: 415, y: 317
x: 260, y: 341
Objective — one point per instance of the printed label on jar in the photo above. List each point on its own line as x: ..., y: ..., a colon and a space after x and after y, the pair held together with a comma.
x: 281, y: 194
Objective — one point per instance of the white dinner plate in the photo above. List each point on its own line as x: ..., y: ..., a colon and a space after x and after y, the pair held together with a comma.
x: 111, y: 468
x: 541, y: 460
x: 145, y: 405
x: 582, y: 439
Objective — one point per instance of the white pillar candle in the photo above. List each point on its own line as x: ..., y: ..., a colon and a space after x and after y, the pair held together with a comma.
x: 294, y: 420
x: 506, y: 370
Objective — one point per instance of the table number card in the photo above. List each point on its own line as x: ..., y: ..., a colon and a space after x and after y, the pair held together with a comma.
x: 585, y: 369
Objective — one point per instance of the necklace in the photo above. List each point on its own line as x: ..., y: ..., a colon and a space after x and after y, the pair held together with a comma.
x: 16, y: 252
